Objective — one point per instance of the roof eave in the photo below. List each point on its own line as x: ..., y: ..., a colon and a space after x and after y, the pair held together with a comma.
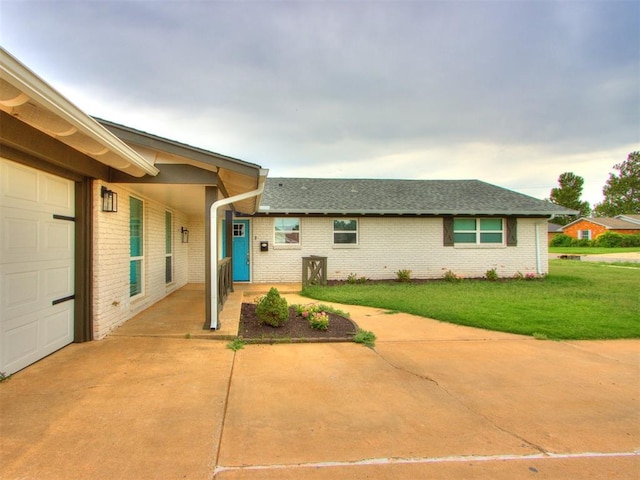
x: 46, y: 97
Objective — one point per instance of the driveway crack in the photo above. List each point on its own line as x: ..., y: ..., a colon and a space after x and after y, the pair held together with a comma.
x: 488, y: 419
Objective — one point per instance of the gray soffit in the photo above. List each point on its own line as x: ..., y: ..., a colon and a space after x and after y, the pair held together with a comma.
x: 398, y: 197
x: 144, y: 139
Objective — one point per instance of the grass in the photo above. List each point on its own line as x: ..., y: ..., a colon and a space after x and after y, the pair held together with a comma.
x: 576, y: 301
x: 592, y: 250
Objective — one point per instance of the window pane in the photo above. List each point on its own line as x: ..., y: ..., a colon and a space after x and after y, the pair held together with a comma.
x: 491, y: 224
x: 135, y: 227
x: 464, y: 238
x: 345, y: 225
x: 464, y: 224
x: 168, y: 238
x: 135, y: 277
x: 168, y: 271
x: 490, y: 238
x: 345, y: 237
x: 287, y: 224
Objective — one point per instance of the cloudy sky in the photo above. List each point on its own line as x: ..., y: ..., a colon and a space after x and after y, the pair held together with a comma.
x: 510, y: 92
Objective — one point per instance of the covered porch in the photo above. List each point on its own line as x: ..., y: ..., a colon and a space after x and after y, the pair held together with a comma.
x: 181, y: 314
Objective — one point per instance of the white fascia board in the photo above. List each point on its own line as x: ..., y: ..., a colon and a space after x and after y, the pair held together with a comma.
x: 17, y: 74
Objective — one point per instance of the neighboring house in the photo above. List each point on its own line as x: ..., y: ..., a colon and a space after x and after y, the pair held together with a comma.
x: 590, y: 228
x: 553, y: 229
x: 92, y: 217
x: 374, y: 228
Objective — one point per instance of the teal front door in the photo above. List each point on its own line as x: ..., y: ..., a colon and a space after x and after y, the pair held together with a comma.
x: 241, y: 251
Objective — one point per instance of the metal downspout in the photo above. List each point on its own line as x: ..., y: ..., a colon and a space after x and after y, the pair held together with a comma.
x: 213, y: 252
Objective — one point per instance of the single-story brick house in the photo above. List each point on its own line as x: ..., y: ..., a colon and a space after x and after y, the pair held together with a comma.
x: 374, y: 228
x: 590, y: 228
x: 100, y: 221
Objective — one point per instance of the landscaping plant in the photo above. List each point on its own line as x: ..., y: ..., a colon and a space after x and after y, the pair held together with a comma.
x: 272, y: 309
x: 404, y: 276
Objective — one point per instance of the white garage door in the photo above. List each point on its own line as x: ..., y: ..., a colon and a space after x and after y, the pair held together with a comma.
x: 36, y: 264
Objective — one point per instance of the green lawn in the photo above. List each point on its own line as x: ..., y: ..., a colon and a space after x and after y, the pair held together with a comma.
x: 576, y: 301
x: 592, y: 250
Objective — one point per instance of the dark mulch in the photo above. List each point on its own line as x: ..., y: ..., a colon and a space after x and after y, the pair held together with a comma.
x: 297, y: 329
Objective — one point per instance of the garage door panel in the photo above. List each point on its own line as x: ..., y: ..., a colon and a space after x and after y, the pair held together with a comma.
x: 57, y: 282
x: 34, y: 286
x: 20, y: 343
x: 37, y: 254
x: 19, y: 186
x: 20, y: 289
x: 29, y: 236
x: 57, y: 195
x: 57, y: 327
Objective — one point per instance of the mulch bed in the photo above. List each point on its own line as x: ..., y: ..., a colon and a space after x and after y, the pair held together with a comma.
x: 297, y: 329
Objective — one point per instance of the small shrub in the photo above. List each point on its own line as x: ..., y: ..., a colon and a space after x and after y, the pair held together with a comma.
x: 404, y: 276
x: 272, y: 309
x: 518, y: 276
x: 235, y: 344
x: 365, y: 337
x: 449, y: 276
x: 319, y: 320
x: 492, y: 275
x: 561, y: 240
x: 352, y: 278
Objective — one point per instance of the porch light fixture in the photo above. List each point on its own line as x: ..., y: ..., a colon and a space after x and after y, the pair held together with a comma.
x: 185, y: 235
x: 109, y: 200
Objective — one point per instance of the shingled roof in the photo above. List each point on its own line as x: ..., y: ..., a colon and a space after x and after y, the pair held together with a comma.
x: 398, y: 197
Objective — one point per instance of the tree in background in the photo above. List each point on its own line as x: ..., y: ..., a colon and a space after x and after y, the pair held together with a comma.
x: 622, y: 193
x: 568, y: 195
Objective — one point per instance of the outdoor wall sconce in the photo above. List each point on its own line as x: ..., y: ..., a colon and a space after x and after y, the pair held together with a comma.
x: 109, y: 200
x: 185, y: 235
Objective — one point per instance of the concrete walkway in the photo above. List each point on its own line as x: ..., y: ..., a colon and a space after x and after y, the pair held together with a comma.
x: 432, y: 400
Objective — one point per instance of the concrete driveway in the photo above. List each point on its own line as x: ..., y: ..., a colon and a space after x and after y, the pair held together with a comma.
x: 432, y: 400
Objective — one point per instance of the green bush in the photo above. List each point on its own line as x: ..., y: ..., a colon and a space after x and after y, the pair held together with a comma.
x: 630, y: 240
x: 272, y: 309
x: 608, y: 239
x: 404, y: 275
x: 491, y: 275
x: 561, y: 240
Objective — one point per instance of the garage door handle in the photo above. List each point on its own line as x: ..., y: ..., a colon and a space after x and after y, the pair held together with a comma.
x: 64, y: 217
x: 63, y: 299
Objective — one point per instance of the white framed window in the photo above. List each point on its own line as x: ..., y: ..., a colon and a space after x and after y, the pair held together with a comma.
x: 478, y: 231
x: 136, y: 247
x: 286, y: 231
x: 168, y: 249
x: 584, y: 234
x: 345, y: 231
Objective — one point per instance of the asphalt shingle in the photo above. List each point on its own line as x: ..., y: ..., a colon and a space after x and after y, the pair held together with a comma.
x: 408, y: 197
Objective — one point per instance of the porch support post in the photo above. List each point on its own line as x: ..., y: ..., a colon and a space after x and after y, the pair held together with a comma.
x: 211, y: 195
x: 228, y: 216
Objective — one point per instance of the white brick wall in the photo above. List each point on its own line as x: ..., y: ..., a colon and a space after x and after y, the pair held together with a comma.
x: 389, y: 244
x: 112, y: 305
x: 196, y: 250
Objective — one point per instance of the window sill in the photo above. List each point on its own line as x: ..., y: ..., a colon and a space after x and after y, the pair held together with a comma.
x: 340, y: 246
x: 479, y: 246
